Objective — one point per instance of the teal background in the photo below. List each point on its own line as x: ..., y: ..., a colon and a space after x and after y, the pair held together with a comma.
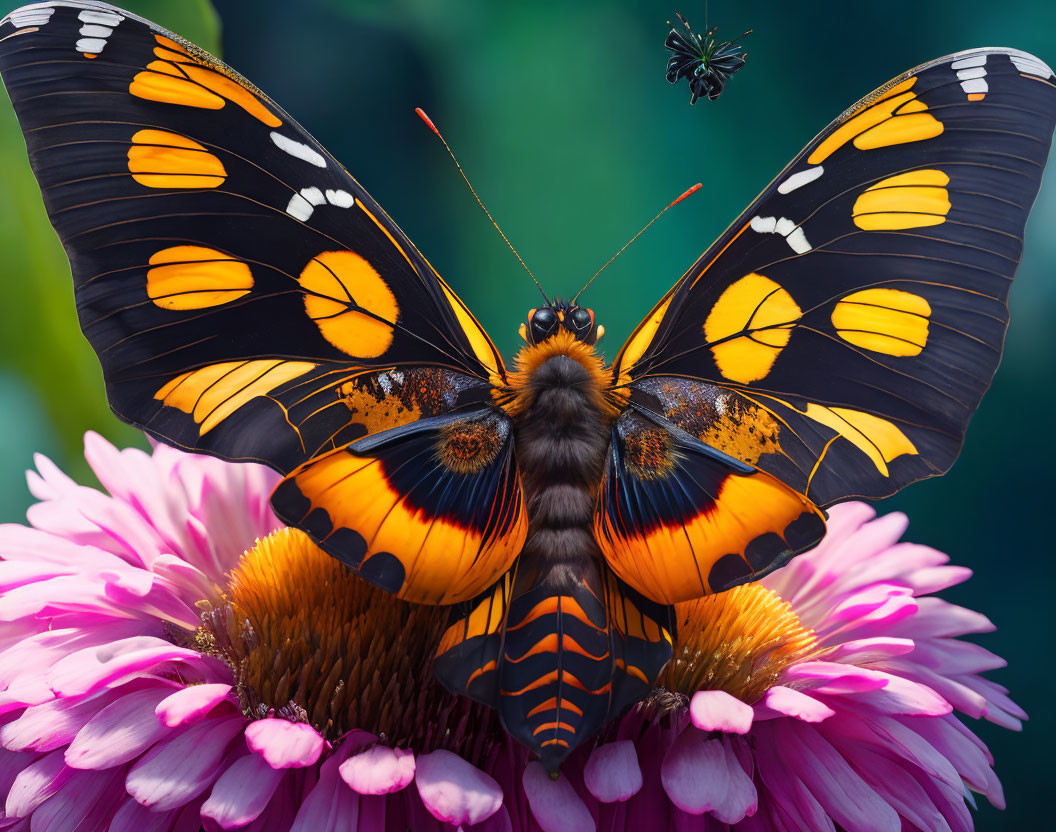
x: 560, y: 114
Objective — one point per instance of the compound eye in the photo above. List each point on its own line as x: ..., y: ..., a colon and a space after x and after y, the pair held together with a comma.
x: 544, y: 323
x: 582, y: 320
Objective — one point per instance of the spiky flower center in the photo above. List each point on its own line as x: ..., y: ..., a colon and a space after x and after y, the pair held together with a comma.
x: 738, y: 641
x: 310, y: 641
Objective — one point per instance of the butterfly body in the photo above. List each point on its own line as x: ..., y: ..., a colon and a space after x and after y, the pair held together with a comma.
x: 247, y: 298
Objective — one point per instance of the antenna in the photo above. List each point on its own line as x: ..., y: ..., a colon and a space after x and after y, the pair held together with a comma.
x: 690, y: 192
x: 429, y: 123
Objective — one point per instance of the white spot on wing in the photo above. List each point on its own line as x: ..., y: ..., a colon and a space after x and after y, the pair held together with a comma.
x: 91, y: 30
x: 972, y: 60
x: 794, y: 236
x: 313, y: 195
x: 30, y: 16
x: 975, y: 85
x: 1030, y: 65
x: 105, y: 18
x: 298, y: 150
x: 342, y: 199
x: 798, y: 180
x: 397, y: 376
x: 93, y: 45
x: 798, y: 240
x: 299, y: 208
x: 764, y: 225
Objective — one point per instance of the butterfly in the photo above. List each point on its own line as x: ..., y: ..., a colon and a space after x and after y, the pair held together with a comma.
x: 707, y: 65
x: 249, y: 300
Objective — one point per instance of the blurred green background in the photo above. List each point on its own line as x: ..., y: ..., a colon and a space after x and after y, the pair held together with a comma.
x: 561, y: 115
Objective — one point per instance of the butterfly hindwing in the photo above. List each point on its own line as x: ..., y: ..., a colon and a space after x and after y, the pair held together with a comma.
x: 432, y: 511
x: 677, y: 519
x: 223, y: 261
x: 842, y: 331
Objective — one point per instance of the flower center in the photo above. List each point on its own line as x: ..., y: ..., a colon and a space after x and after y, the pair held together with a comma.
x: 738, y: 641
x: 308, y: 640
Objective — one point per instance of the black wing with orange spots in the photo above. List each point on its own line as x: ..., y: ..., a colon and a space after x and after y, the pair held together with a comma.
x: 226, y: 266
x: 248, y: 299
x: 840, y: 334
x: 856, y: 311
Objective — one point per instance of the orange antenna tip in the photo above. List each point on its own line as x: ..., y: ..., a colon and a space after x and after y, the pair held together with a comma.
x: 426, y: 119
x: 690, y: 192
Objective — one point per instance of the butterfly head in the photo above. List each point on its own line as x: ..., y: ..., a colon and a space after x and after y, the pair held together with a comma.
x: 547, y: 321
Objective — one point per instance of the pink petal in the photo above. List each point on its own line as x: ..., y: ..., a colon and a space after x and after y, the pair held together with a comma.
x: 741, y: 798
x: 835, y: 678
x: 612, y: 774
x: 84, y: 803
x: 781, y: 701
x: 50, y: 725
x: 115, y: 663
x: 696, y: 772
x: 174, y: 772
x: 35, y: 784
x: 848, y: 799
x: 190, y: 704
x: 716, y: 710
x: 132, y: 817
x: 119, y: 732
x: 866, y: 650
x: 284, y: 744
x: 378, y: 770
x: 242, y: 792
x: 555, y: 805
x: 455, y: 791
x: 330, y: 806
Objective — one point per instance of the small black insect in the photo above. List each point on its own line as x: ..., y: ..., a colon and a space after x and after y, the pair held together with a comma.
x: 707, y: 64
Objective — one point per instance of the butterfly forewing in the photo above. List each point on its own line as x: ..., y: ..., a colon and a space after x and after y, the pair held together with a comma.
x: 209, y: 233
x: 855, y: 313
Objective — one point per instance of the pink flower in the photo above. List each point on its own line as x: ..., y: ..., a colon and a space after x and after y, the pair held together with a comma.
x: 170, y: 661
x: 822, y: 697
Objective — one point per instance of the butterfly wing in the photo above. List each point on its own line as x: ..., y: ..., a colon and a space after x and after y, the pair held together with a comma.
x: 839, y: 335
x: 245, y: 296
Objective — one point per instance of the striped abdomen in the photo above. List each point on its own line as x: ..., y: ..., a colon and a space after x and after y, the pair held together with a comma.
x: 555, y: 671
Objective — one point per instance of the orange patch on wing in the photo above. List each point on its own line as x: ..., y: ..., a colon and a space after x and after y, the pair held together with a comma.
x: 169, y: 43
x: 168, y: 87
x: 896, y: 117
x: 349, y: 301
x: 196, y: 277
x: 880, y: 440
x: 484, y: 620
x: 212, y: 393
x: 160, y: 159
x: 748, y: 327
x: 179, y: 78
x: 674, y: 561
x: 916, y: 199
x: 888, y: 321
x: 443, y: 561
